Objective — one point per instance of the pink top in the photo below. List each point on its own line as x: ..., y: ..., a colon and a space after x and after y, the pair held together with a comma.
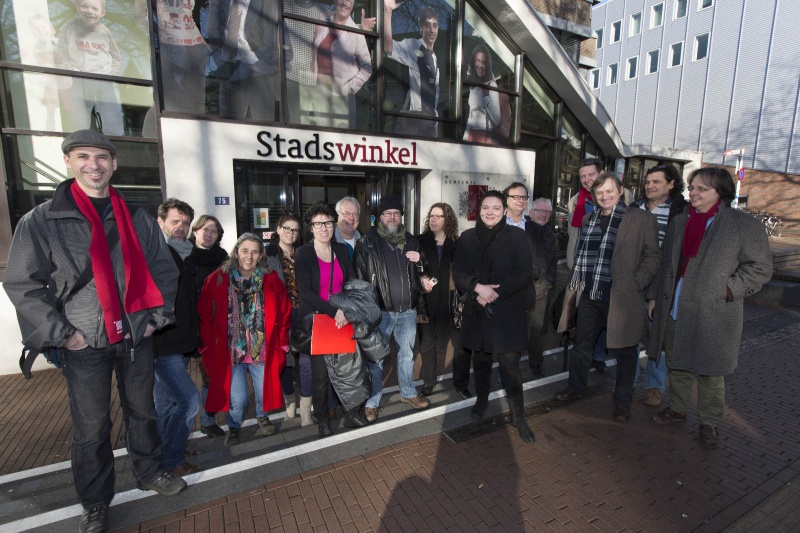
x: 325, y: 278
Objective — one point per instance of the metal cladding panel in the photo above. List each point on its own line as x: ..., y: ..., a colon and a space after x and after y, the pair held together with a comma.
x: 666, y: 111
x: 751, y: 68
x: 693, y: 88
x: 724, y: 50
x: 646, y: 100
x: 780, y: 96
x: 626, y: 104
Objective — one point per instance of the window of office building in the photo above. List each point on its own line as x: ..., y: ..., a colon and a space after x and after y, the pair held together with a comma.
x: 680, y: 8
x: 489, y: 90
x: 612, y: 74
x: 616, y: 31
x: 652, y: 61
x: 701, y: 47
x: 633, y: 64
x: 657, y: 15
x: 598, y: 34
x: 702, y: 4
x: 539, y: 105
x: 594, y: 78
x: 676, y: 54
x: 635, y: 27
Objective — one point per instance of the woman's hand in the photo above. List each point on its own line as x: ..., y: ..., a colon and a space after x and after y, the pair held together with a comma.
x: 340, y: 319
x: 487, y: 292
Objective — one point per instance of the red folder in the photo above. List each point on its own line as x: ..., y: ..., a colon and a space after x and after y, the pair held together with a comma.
x: 327, y: 338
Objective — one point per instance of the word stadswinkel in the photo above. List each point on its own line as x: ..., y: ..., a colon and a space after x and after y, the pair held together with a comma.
x: 384, y: 152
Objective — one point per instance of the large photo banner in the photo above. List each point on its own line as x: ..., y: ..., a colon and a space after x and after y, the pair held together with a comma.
x: 464, y: 190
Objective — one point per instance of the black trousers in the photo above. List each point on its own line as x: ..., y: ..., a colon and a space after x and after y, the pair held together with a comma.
x: 319, y: 388
x: 509, y: 366
x: 592, y: 317
x: 433, y: 348
x: 462, y: 360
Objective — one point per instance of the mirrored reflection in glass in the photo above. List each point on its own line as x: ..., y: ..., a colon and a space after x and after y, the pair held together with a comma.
x: 63, y: 103
x: 538, y: 105
x: 480, y: 37
x: 108, y: 37
x: 419, y: 45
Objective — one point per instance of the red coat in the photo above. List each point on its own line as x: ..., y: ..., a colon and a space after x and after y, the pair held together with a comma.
x: 213, y: 309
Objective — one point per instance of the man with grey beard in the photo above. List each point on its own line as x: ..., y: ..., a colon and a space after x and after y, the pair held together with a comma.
x: 389, y: 258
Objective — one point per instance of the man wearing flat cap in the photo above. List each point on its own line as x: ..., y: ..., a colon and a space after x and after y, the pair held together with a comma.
x: 93, y: 277
x: 389, y: 258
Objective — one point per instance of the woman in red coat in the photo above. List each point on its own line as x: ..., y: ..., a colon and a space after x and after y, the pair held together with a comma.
x: 244, y: 324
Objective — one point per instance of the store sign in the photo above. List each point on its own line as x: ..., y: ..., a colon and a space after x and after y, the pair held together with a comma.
x: 385, y: 152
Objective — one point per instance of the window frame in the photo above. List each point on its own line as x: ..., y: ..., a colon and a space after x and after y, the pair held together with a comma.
x: 616, y: 28
x: 598, y: 35
x: 672, y: 55
x: 700, y: 6
x: 649, y: 65
x: 652, y: 15
x: 613, y: 72
x: 707, y: 35
x: 675, y: 15
x: 638, y: 23
x: 594, y: 78
x: 634, y: 61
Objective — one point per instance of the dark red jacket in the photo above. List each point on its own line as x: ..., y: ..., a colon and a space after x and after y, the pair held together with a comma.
x: 213, y: 310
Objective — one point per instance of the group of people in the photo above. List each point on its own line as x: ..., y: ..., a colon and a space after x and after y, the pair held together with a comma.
x: 115, y: 290
x: 674, y: 271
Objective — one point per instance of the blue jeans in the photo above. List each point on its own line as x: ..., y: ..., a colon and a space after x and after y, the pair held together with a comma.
x: 177, y: 403
x: 404, y: 327
x: 240, y: 395
x: 656, y: 375
x: 88, y: 374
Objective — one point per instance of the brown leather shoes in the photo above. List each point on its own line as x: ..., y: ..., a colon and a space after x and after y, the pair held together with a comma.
x: 652, y: 397
x: 622, y: 413
x: 371, y: 414
x: 567, y: 394
x: 184, y: 469
x: 668, y: 416
x: 708, y: 436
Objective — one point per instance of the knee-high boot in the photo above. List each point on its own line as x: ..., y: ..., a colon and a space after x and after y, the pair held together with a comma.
x: 517, y: 406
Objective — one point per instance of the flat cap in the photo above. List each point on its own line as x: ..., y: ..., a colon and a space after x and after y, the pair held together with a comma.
x: 87, y: 138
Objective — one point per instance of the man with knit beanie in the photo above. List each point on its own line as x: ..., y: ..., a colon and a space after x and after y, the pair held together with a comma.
x: 93, y: 277
x: 389, y: 257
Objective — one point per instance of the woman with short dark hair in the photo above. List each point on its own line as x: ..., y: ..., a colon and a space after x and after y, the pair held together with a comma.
x: 618, y: 255
x: 714, y: 257
x: 493, y: 264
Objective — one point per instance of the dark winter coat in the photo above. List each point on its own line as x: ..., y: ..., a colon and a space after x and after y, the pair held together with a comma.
x: 205, y: 261
x: 359, y: 303
x: 306, y: 271
x: 734, y: 255
x: 438, y: 299
x: 182, y: 336
x: 507, y: 330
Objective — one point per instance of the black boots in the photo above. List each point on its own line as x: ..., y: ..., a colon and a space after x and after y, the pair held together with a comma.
x: 517, y: 407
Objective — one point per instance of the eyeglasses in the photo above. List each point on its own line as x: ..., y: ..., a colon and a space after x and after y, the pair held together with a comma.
x: 518, y: 196
x: 392, y: 214
x: 699, y: 188
x: 348, y: 214
x: 546, y: 211
x: 435, y: 217
x: 319, y: 225
x: 287, y: 229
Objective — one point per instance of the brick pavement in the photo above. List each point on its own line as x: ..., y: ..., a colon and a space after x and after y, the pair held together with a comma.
x: 584, y: 473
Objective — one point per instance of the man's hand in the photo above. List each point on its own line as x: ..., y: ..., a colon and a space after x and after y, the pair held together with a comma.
x: 76, y: 342
x: 651, y: 305
x: 367, y: 24
x: 340, y: 319
x: 149, y: 330
x: 391, y: 5
x: 487, y: 292
x: 413, y: 256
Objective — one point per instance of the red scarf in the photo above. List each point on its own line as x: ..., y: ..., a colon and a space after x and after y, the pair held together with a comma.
x: 141, y: 291
x: 580, y: 207
x: 693, y: 233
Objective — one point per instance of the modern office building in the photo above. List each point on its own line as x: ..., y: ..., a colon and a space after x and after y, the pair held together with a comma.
x: 247, y: 109
x: 710, y: 76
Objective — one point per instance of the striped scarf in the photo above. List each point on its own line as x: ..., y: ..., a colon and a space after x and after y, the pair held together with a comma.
x: 592, y: 269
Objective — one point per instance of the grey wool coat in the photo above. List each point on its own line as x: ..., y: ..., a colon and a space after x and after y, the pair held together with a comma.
x: 633, y: 266
x: 734, y: 253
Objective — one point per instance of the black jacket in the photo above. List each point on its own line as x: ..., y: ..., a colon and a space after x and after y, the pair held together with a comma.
x: 370, y: 265
x: 306, y: 271
x: 205, y: 261
x: 439, y: 298
x: 182, y: 336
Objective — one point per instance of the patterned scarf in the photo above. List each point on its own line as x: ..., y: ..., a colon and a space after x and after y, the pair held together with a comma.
x: 141, y: 291
x: 246, y: 316
x: 592, y: 270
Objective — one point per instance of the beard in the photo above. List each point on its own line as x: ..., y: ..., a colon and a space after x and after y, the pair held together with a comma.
x: 392, y: 228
